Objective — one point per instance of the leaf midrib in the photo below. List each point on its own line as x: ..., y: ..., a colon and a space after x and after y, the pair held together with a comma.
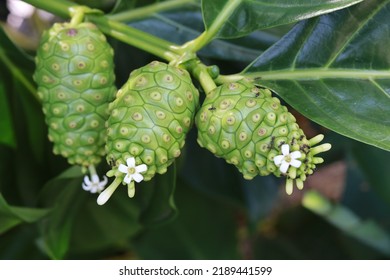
x: 320, y: 73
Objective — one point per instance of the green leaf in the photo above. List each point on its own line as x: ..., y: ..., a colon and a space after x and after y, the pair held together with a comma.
x: 335, y: 70
x: 160, y: 207
x: 235, y: 18
x: 205, y: 229
x: 7, y: 135
x: 182, y: 26
x: 11, y: 216
x: 366, y: 231
x: 374, y: 164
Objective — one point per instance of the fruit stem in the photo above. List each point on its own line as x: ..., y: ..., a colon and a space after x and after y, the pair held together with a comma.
x: 149, y: 10
x: 120, y: 31
x: 135, y: 37
x: 224, y: 79
x: 201, y: 73
x: 213, y: 29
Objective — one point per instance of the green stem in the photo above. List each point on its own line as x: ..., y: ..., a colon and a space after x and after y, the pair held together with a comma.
x: 120, y: 31
x: 135, y: 37
x: 205, y: 38
x: 18, y: 75
x: 149, y: 10
x: 57, y: 7
x: 200, y: 72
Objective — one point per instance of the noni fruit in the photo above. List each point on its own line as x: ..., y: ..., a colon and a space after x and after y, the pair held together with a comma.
x: 249, y: 128
x: 148, y: 123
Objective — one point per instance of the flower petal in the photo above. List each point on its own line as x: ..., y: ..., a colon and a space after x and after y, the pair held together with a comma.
x: 86, y: 187
x: 123, y: 168
x: 278, y: 159
x: 86, y: 180
x: 128, y: 178
x: 285, y: 149
x: 141, y: 168
x: 295, y: 154
x: 103, y: 183
x: 95, y: 179
x: 284, y: 166
x: 138, y: 177
x: 130, y: 162
x: 296, y: 163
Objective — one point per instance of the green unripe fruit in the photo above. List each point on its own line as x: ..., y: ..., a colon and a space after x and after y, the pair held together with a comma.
x: 75, y: 77
x: 249, y: 128
x: 150, y: 118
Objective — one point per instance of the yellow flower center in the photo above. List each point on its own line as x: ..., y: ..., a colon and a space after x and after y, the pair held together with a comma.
x: 131, y: 170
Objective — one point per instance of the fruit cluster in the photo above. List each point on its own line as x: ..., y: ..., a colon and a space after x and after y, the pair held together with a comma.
x: 142, y: 128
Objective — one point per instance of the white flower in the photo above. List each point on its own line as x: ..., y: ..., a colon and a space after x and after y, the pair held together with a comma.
x: 94, y: 186
x: 132, y: 171
x: 286, y: 159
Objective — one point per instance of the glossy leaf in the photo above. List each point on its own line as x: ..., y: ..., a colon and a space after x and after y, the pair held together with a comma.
x: 182, y: 26
x: 335, y: 70
x: 374, y: 163
x: 11, y: 216
x: 205, y: 229
x: 7, y: 136
x: 366, y: 231
x: 160, y: 207
x: 235, y: 18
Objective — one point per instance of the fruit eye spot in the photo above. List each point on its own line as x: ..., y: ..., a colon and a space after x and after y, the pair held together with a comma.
x: 166, y: 138
x: 55, y: 66
x: 103, y: 80
x: 225, y: 144
x: 94, y: 123
x: 80, y: 108
x: 81, y: 65
x: 155, y: 95
x: 145, y: 138
x: 137, y: 116
x: 124, y: 131
x: 211, y: 129
x: 168, y: 78
x: 262, y: 131
x: 189, y: 95
x: 243, y: 136
x: 233, y: 86
x: 250, y: 103
x: 64, y: 46
x: 231, y: 120
x: 69, y: 141
x: 179, y: 101
x: 160, y: 115
x: 90, y: 47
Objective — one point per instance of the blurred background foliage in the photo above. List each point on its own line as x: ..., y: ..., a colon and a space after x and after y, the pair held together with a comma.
x: 202, y: 208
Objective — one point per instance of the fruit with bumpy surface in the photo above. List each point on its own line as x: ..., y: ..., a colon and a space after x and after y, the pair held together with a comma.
x: 249, y: 128
x: 75, y: 77
x: 149, y: 120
